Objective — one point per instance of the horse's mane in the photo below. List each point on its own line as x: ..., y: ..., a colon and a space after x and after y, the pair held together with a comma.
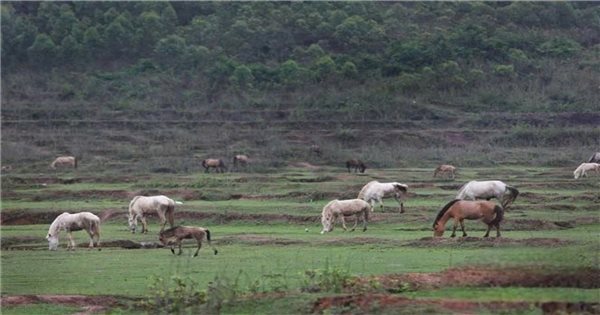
x: 444, y: 209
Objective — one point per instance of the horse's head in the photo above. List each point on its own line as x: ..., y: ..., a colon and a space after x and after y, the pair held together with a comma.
x: 52, y: 241
x: 132, y: 224
x: 362, y: 167
x: 438, y: 229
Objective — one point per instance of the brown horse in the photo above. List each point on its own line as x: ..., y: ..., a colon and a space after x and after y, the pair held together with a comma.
x: 357, y: 165
x: 490, y: 213
x: 446, y: 169
x: 175, y: 235
x: 316, y: 149
x: 217, y: 164
x: 241, y: 160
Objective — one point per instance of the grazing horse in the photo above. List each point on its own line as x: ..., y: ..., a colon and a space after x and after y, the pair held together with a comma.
x: 142, y: 205
x: 6, y: 168
x: 64, y: 161
x: 316, y: 149
x: 487, y: 190
x: 445, y: 169
x: 356, y: 165
x: 175, y: 235
x: 71, y: 222
x: 241, y: 160
x: 584, y: 167
x: 595, y: 158
x: 344, y: 208
x: 490, y: 213
x: 376, y: 191
x: 217, y: 164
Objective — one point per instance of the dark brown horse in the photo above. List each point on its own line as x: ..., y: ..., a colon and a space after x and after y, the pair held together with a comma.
x: 217, y: 164
x: 175, y: 235
x: 355, y: 164
x: 459, y: 210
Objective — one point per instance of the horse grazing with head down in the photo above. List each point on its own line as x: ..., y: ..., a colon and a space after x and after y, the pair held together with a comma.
x: 71, y: 222
x: 217, y: 164
x: 357, y: 165
x: 595, y: 158
x: 67, y: 161
x: 487, y: 190
x: 445, y: 169
x: 240, y: 160
x: 459, y: 210
x: 581, y: 170
x: 376, y: 191
x: 342, y: 209
x: 140, y: 206
x: 175, y: 235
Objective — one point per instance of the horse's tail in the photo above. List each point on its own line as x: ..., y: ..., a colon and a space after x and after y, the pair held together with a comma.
x: 444, y: 209
x: 208, y: 240
x: 204, y: 163
x: 74, y: 162
x: 499, y: 215
x: 513, y: 193
x: 171, y: 214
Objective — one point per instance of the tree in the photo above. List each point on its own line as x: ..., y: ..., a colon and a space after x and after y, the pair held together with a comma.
x: 242, y: 77
x: 170, y: 50
x: 43, y: 51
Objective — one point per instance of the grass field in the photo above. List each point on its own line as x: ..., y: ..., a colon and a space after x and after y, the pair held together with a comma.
x: 273, y: 260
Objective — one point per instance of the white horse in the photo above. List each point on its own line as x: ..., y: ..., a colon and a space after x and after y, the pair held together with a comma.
x: 344, y: 208
x: 581, y: 170
x: 74, y: 222
x: 142, y: 205
x: 376, y: 191
x: 487, y: 190
x: 64, y: 161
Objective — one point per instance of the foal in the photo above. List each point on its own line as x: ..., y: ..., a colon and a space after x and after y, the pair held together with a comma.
x: 175, y: 235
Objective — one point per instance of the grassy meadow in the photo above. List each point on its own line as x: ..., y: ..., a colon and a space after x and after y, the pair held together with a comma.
x: 266, y: 227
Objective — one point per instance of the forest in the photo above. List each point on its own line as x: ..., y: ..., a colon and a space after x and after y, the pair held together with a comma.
x: 461, y: 65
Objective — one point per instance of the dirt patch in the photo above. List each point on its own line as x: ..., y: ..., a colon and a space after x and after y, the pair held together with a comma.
x: 532, y: 277
x: 88, y: 304
x: 486, y: 242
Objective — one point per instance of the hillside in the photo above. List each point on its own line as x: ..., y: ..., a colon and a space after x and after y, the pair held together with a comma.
x: 155, y: 86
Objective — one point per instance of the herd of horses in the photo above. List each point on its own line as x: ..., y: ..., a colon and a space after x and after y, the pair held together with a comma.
x: 472, y: 202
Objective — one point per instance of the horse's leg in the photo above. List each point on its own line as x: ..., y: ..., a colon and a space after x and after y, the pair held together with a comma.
x: 454, y: 228
x: 91, y: 234
x: 343, y: 222
x: 462, y: 226
x: 163, y: 219
x: 355, y: 222
x: 173, y: 249
x: 198, y: 249
x: 144, y: 224
x: 71, y: 241
x: 498, y: 229
x: 179, y: 248
x: 487, y: 233
x: 365, y: 219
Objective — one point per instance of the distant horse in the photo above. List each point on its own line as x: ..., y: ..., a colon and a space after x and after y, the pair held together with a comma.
x: 175, y: 235
x: 71, y: 222
x: 140, y: 206
x: 459, y: 210
x: 217, y: 164
x: 241, y: 160
x: 316, y: 149
x: 6, y: 168
x: 64, y: 161
x: 376, y: 191
x: 356, y: 165
x: 584, y: 167
x: 487, y: 190
x: 595, y: 158
x: 342, y: 209
x: 445, y: 169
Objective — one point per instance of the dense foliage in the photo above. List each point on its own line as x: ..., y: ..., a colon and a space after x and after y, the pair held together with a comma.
x: 280, y: 53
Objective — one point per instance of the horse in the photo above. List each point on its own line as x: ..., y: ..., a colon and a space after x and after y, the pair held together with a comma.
x: 344, y: 208
x: 584, y: 167
x: 356, y: 165
x: 6, y: 168
x: 445, y: 169
x: 217, y: 164
x: 241, y: 160
x: 487, y: 190
x: 376, y: 191
x: 595, y: 158
x: 173, y: 236
x: 71, y: 222
x: 316, y: 149
x: 142, y: 205
x: 490, y: 213
x: 64, y: 161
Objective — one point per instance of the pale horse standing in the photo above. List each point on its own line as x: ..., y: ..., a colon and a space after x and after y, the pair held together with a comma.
x: 342, y: 209
x: 375, y: 191
x: 581, y: 170
x: 487, y: 190
x: 140, y: 206
x: 74, y: 222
